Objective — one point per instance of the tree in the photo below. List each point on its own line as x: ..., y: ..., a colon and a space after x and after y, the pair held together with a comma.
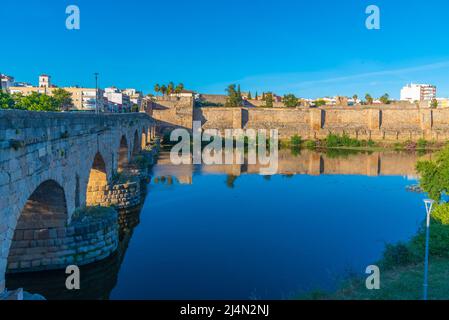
x: 435, y: 174
x: 434, y: 103
x: 179, y: 88
x: 320, y: 103
x: 249, y: 96
x: 63, y: 99
x: 385, y: 99
x: 170, y: 88
x: 234, y: 99
x: 269, y: 100
x: 290, y: 100
x: 163, y: 90
x: 6, y: 101
x: 369, y: 99
x: 37, y: 102
x: 157, y: 88
x: 356, y: 98
x: 257, y: 96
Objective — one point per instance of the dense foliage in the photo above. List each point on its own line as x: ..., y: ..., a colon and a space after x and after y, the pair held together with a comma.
x: 435, y: 174
x: 61, y: 100
x: 234, y: 96
x: 290, y: 101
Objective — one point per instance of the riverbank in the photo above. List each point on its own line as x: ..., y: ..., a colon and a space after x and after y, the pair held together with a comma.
x: 344, y: 142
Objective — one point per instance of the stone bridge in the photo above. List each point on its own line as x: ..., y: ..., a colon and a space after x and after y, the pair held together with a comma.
x: 50, y: 164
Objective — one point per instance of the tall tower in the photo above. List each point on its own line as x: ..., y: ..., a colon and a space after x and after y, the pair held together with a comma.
x: 44, y: 81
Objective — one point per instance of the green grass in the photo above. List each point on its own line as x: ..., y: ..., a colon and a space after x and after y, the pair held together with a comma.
x: 401, y: 283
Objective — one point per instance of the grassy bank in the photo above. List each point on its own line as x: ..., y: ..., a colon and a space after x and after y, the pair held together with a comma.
x: 400, y: 283
x: 333, y: 141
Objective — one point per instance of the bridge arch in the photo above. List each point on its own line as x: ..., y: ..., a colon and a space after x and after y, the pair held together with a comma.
x: 136, y: 145
x: 122, y: 154
x: 98, y: 179
x: 45, y: 210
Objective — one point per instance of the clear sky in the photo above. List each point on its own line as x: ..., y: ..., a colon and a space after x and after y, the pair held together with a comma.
x: 310, y: 48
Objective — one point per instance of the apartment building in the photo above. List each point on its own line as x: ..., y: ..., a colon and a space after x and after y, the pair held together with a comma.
x: 116, y: 100
x: 6, y: 82
x: 418, y: 92
x: 136, y: 97
x: 84, y: 99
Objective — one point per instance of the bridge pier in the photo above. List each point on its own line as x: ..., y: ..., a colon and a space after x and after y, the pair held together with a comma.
x: 65, y: 155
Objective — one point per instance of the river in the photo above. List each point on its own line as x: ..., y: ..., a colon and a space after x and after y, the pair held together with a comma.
x: 226, y: 232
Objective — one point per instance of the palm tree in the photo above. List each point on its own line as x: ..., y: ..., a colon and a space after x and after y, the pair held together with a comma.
x: 179, y: 88
x: 163, y: 89
x: 369, y: 99
x: 170, y: 88
x: 157, y: 88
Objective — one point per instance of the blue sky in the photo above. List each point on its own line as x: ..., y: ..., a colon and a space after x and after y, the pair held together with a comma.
x: 310, y: 48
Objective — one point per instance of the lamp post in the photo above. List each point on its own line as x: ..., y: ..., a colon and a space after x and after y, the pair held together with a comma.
x: 429, y: 207
x: 97, y: 111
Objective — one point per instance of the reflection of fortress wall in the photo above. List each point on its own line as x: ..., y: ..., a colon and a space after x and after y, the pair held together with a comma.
x: 389, y: 122
x: 311, y: 163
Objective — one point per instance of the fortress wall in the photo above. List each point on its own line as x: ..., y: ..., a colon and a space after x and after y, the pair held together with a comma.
x: 215, y: 118
x: 381, y: 123
x: 343, y: 118
x: 401, y: 119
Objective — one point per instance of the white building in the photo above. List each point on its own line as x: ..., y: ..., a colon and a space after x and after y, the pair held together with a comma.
x: 6, y: 82
x: 135, y: 97
x: 44, y: 81
x: 116, y: 100
x: 418, y: 92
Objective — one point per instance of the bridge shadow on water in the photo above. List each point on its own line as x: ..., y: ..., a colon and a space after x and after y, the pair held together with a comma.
x: 97, y: 279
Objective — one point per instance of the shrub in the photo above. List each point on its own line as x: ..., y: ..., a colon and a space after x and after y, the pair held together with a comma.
x: 371, y: 143
x: 439, y: 238
x: 296, y: 140
x: 334, y: 141
x: 441, y: 214
x: 396, y: 255
x: 310, y: 144
x: 422, y: 144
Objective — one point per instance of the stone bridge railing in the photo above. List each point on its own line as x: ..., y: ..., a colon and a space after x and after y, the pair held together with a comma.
x: 50, y: 161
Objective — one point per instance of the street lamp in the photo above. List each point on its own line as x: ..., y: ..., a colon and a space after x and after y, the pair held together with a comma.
x: 429, y: 206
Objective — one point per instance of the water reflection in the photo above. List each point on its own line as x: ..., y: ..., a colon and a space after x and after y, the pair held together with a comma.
x: 301, y: 162
x: 233, y: 255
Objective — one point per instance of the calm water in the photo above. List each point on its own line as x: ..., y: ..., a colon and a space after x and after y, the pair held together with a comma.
x: 224, y: 232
